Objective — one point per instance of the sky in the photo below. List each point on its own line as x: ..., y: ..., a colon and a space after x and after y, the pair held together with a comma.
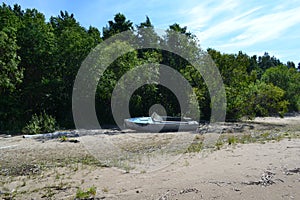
x: 229, y: 26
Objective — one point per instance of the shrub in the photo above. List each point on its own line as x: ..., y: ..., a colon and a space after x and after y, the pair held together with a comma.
x: 81, y: 194
x: 232, y: 140
x: 42, y: 123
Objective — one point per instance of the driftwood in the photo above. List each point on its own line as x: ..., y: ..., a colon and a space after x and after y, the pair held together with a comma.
x: 265, y: 180
x: 56, y: 134
x: 224, y: 127
x: 292, y: 171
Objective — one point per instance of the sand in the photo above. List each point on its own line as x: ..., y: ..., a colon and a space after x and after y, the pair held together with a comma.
x: 50, y: 169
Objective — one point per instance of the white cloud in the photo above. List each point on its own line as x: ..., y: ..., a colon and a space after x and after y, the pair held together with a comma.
x: 234, y: 25
x: 268, y: 27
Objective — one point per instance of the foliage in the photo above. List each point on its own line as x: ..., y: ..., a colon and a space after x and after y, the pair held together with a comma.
x: 90, y: 192
x: 40, y: 58
x: 10, y: 74
x: 42, y: 123
x: 257, y: 99
x: 287, y: 79
x: 119, y: 25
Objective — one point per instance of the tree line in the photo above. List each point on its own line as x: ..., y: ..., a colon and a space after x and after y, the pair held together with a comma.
x: 39, y: 61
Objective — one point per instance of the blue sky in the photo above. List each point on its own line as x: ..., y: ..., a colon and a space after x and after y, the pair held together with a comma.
x: 228, y: 25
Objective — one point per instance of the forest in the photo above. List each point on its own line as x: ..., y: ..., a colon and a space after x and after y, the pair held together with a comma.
x: 40, y: 58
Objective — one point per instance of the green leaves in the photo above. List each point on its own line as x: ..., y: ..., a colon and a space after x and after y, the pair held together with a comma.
x: 287, y: 79
x: 119, y: 25
x: 42, y: 123
x: 10, y: 74
x: 39, y: 61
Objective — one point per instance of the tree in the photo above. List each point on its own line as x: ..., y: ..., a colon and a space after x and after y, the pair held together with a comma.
x: 266, y: 61
x: 257, y: 99
x: 37, y: 43
x: 119, y: 25
x: 287, y: 79
x: 146, y: 34
x: 11, y: 74
x: 176, y: 27
x: 73, y: 43
x: 290, y: 64
x: 267, y: 99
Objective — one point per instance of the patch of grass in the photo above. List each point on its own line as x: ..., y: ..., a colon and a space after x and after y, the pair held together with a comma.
x: 57, y: 176
x: 90, y: 160
x: 231, y: 140
x: 245, y: 138
x: 63, y: 138
x: 6, y: 194
x: 21, y: 170
x: 84, y: 194
x: 195, y: 147
x: 49, y: 193
x: 219, y: 144
x: 127, y: 167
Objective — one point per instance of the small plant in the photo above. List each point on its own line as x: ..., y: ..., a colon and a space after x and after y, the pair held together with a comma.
x: 127, y: 168
x: 266, y: 136
x: 195, y: 147
x: 63, y: 138
x: 42, y: 123
x: 89, y: 193
x: 246, y: 138
x: 57, y: 176
x: 232, y: 140
x: 219, y: 144
x: 49, y: 193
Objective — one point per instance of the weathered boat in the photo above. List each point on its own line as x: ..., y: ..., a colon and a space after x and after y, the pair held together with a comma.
x: 157, y: 123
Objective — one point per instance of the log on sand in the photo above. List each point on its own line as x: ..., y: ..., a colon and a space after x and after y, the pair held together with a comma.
x: 56, y: 134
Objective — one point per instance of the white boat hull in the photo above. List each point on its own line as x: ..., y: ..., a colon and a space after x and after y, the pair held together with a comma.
x: 146, y: 124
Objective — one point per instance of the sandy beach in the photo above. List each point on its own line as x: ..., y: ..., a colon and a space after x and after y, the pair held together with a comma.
x: 267, y: 168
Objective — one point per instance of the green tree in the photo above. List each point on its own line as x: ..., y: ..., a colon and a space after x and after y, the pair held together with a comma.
x: 73, y: 44
x: 119, y: 25
x: 266, y: 61
x: 287, y: 79
x: 265, y: 99
x: 37, y: 43
x: 10, y: 74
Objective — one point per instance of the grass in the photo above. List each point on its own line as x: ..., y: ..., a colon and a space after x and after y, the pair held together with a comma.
x: 241, y: 138
x: 231, y: 140
x: 219, y: 144
x: 49, y: 193
x: 84, y: 194
x: 195, y: 147
x: 63, y: 138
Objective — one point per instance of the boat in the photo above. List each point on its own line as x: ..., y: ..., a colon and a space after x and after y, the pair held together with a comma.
x: 157, y: 123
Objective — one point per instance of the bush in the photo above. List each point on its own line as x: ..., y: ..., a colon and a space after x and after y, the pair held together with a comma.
x: 90, y: 192
x: 42, y: 123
